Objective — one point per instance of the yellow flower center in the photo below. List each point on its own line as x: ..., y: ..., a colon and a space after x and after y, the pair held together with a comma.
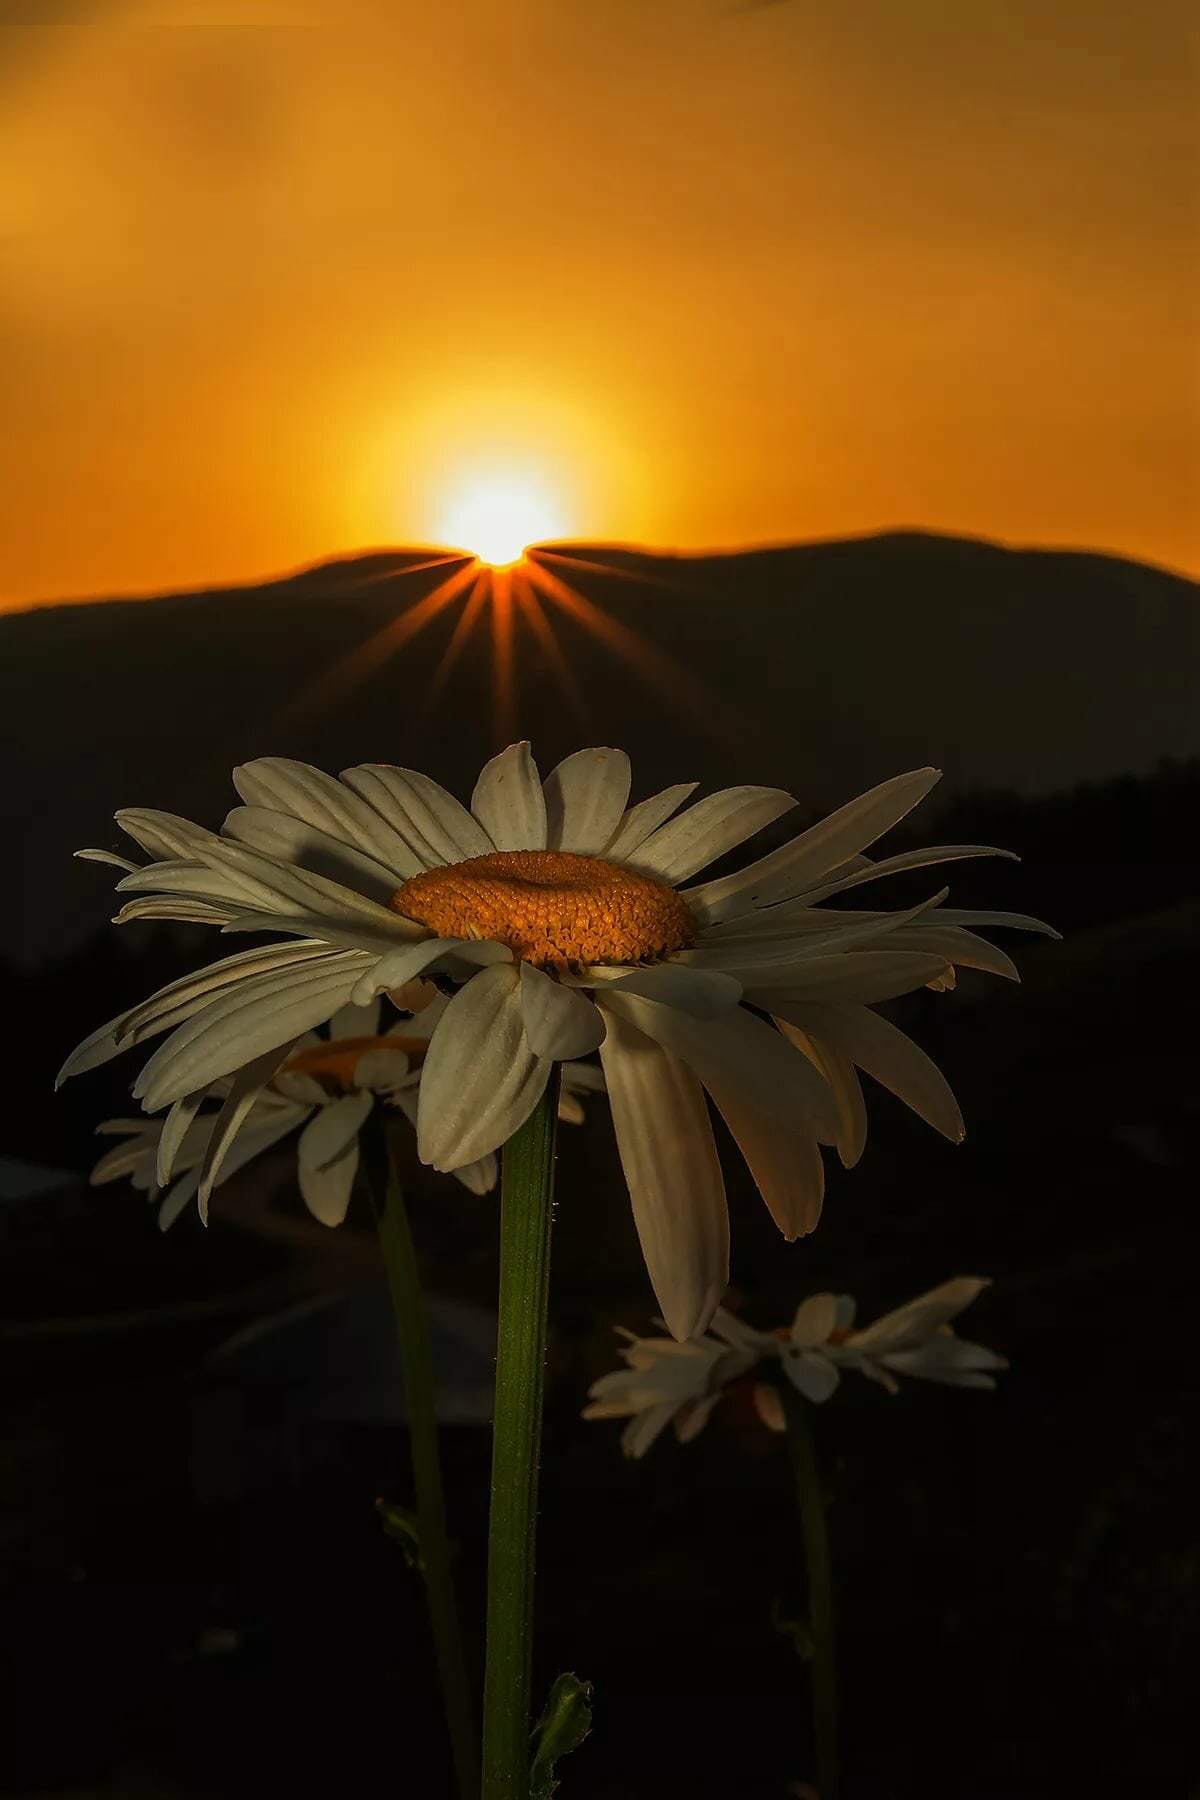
x: 550, y: 907
x: 333, y: 1064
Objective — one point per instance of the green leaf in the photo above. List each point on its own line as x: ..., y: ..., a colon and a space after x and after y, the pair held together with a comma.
x: 401, y: 1526
x: 565, y: 1722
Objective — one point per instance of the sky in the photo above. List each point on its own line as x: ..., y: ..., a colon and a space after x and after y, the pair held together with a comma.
x: 282, y: 279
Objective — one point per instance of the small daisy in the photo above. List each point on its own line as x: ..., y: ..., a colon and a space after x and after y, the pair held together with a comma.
x: 553, y: 914
x: 667, y: 1382
x: 327, y: 1089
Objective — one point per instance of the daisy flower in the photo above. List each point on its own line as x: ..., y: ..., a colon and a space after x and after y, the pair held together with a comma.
x: 552, y: 913
x: 327, y: 1089
x: 669, y: 1383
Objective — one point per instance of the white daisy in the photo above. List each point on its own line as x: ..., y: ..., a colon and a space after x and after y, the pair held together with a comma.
x: 666, y: 1381
x: 915, y: 1339
x: 327, y: 1089
x: 552, y: 912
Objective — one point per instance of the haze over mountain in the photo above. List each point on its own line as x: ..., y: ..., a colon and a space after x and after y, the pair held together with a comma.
x: 822, y: 667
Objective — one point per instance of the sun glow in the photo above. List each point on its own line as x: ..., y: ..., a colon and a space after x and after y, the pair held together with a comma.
x: 498, y: 514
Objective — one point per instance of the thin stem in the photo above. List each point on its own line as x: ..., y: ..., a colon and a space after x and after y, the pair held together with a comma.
x: 416, y: 1353
x: 815, y: 1530
x: 526, y: 1206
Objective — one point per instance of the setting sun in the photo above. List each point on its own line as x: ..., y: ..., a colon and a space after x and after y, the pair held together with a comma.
x: 498, y: 514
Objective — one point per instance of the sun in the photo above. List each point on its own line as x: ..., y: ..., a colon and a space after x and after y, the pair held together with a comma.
x: 496, y: 514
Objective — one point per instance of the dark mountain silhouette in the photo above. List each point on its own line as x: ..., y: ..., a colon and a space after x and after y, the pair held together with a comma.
x: 824, y: 667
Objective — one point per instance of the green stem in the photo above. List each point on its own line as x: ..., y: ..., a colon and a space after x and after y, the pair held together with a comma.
x: 815, y: 1529
x: 526, y: 1206
x: 412, y: 1329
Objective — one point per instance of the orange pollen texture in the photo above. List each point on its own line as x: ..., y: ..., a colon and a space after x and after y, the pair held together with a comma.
x: 333, y: 1064
x: 551, y: 907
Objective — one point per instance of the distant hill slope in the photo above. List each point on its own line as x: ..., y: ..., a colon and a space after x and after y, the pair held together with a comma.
x: 823, y: 667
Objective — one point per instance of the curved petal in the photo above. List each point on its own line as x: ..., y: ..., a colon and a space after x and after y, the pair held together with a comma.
x: 162, y: 835
x: 294, y: 841
x: 704, y: 993
x: 894, y: 865
x: 508, y: 801
x: 823, y: 847
x: 178, y: 1197
x: 845, y: 1087
x: 786, y: 1165
x: 480, y: 1080
x: 233, y: 1030
x: 480, y: 1177
x: 742, y: 1057
x: 559, y: 1022
x: 326, y: 1190
x: 176, y: 1126
x: 920, y: 1318
x: 866, y: 975
x: 638, y: 823
x: 285, y: 786
x: 331, y: 1128
x: 815, y: 1322
x: 396, y: 967
x: 585, y: 800
x: 670, y: 1162
x: 814, y: 1374
x: 107, y: 856
x: 707, y: 830
x: 248, y: 1084
x: 438, y: 827
x: 355, y: 1021
x: 877, y: 1046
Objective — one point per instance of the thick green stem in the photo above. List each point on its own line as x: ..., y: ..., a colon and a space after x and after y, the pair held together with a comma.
x: 526, y: 1205
x: 412, y: 1329
x: 814, y: 1527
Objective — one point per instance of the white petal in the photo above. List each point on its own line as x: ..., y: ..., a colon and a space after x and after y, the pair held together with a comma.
x: 331, y: 1129
x: 921, y: 1317
x: 480, y: 1177
x: 707, y: 830
x: 107, y: 856
x: 786, y: 1165
x: 381, y: 1071
x: 480, y: 1080
x: 294, y: 841
x: 178, y: 1197
x: 642, y: 1430
x: 245, y: 1090
x: 798, y: 938
x: 892, y: 1058
x: 645, y: 817
x: 178, y: 1000
x: 396, y: 967
x: 704, y: 993
x: 814, y: 1374
x: 508, y: 801
x: 176, y: 1125
x: 691, y: 1420
x: 437, y: 826
x: 957, y: 915
x: 769, y: 1406
x: 347, y: 933
x: 255, y: 1017
x: 585, y: 800
x: 161, y: 834
x: 188, y: 912
x: 741, y: 1055
x: 570, y: 1110
x: 893, y: 865
x: 845, y: 1087
x: 355, y: 1021
x: 327, y: 1190
x: 308, y: 794
x: 799, y: 865
x: 559, y: 1022
x: 867, y: 975
x: 815, y: 1321
x: 292, y: 889
x: 958, y: 946
x: 670, y: 1163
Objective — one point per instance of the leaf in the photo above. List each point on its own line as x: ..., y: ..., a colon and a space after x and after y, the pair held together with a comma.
x: 401, y: 1526
x: 565, y: 1722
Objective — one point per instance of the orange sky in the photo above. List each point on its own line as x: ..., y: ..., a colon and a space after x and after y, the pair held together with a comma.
x: 276, y: 274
